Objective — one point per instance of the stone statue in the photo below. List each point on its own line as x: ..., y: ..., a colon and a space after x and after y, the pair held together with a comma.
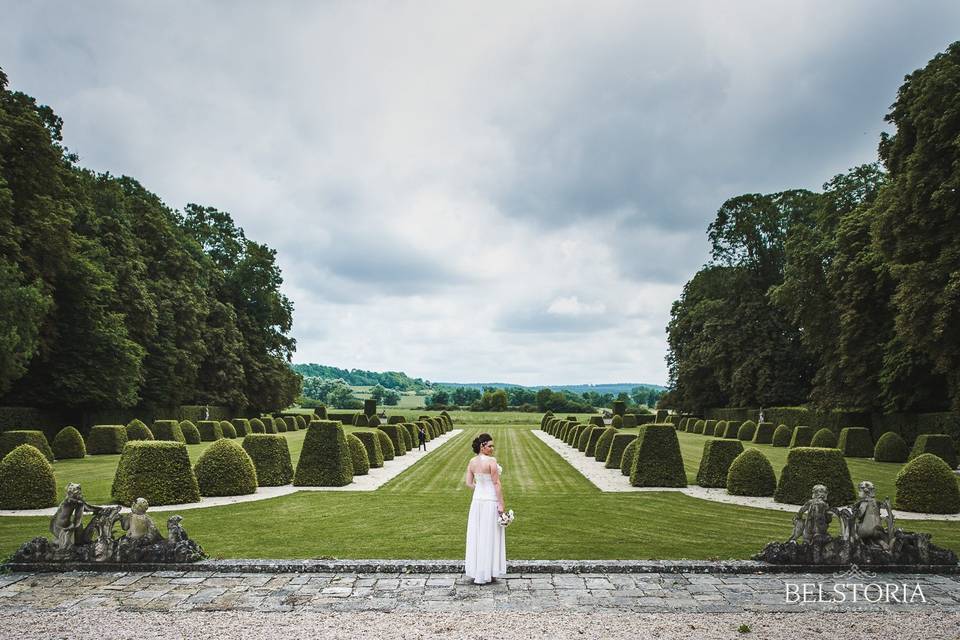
x: 814, y: 517
x: 66, y: 524
x: 867, y: 521
x: 138, y: 524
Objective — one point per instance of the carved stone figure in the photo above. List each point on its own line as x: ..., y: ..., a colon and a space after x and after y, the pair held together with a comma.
x: 66, y: 524
x: 813, y: 518
x: 138, y: 524
x: 868, y: 523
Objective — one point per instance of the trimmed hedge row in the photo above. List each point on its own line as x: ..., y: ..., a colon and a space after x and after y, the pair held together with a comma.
x: 809, y: 466
x: 157, y: 470
x: 937, y: 444
x: 168, y: 430
x: 225, y: 469
x: 10, y: 440
x: 106, y: 438
x: 658, y: 462
x: 68, y: 444
x: 26, y: 479
x: 325, y: 459
x: 717, y: 457
x: 751, y: 474
x: 270, y: 455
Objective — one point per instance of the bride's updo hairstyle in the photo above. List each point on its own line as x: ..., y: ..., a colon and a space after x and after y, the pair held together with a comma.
x: 481, y: 440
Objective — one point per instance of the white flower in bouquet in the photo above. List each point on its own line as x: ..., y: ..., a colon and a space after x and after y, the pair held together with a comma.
x: 506, y: 518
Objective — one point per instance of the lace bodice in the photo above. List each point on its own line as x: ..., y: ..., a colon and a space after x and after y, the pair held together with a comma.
x: 483, y: 488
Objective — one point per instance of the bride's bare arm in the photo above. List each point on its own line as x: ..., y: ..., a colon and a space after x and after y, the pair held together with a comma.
x: 495, y: 476
x: 469, y: 480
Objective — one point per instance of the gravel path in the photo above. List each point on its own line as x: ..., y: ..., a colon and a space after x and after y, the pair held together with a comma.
x: 612, y: 480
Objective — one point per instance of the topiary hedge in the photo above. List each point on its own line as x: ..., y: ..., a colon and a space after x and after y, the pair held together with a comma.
x: 225, y: 469
x: 228, y: 430
x: 824, y: 439
x: 602, y: 447
x: 210, y: 430
x: 809, y: 466
x: 543, y: 420
x: 618, y: 445
x: 856, y: 442
x: 592, y: 438
x: 658, y: 462
x: 10, y: 440
x: 373, y: 421
x: 709, y: 427
x: 26, y: 479
x: 301, y: 422
x: 168, y: 430
x: 371, y: 442
x: 782, y: 435
x: 158, y: 471
x: 751, y: 474
x: 137, y: 430
x: 291, y: 422
x: 573, y: 434
x: 407, y: 435
x: 764, y: 433
x: 629, y: 453
x: 361, y: 420
x: 891, y: 448
x: 269, y: 426
x: 106, y: 438
x: 397, y: 420
x: 937, y: 444
x: 629, y: 420
x: 583, y: 438
x: 747, y: 430
x: 257, y: 426
x: 393, y: 432
x: 616, y: 422
x: 410, y: 435
x: 280, y: 425
x: 358, y: 455
x: 802, y: 436
x: 68, y: 444
x: 386, y: 445
x: 270, y: 455
x: 325, y: 460
x: 719, y: 428
x: 732, y: 430
x: 927, y: 485
x: 426, y: 429
x: 619, y: 407
x: 190, y: 433
x: 717, y: 457
x: 699, y: 426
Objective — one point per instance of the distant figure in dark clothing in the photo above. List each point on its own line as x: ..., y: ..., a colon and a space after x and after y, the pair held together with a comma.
x: 422, y: 438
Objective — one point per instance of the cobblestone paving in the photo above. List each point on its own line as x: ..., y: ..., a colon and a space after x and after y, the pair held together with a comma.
x: 441, y: 592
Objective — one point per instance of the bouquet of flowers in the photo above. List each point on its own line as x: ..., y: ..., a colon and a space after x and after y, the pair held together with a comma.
x: 505, y: 518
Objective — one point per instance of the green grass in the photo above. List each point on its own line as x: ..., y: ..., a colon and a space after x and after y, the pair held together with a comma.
x: 422, y: 512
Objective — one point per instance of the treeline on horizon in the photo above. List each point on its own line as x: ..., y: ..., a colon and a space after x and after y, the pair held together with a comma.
x: 396, y: 380
x: 849, y: 298
x: 110, y: 299
x: 538, y: 399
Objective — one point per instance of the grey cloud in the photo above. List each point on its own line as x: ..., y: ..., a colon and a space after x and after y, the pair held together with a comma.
x: 538, y: 319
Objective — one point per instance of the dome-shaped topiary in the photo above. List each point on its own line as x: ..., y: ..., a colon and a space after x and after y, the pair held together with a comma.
x: 228, y: 430
x: 927, y: 485
x: 891, y: 448
x: 782, y: 435
x: 68, y: 444
x: 225, y: 469
x: 595, y: 433
x: 27, y: 480
x: 386, y: 445
x: 279, y: 425
x: 717, y: 457
x: 629, y: 453
x: 937, y: 444
x: 158, y: 471
x: 720, y: 429
x: 856, y: 442
x: 616, y: 422
x: 371, y: 442
x: 709, y: 427
x: 824, y: 439
x: 393, y: 432
x: 809, y: 466
x: 543, y: 420
x: 583, y: 438
x: 802, y: 436
x: 699, y: 426
x: 10, y: 440
x: 137, y: 430
x: 658, y: 462
x: 764, y: 433
x: 358, y: 453
x: 573, y: 434
x: 257, y: 426
x: 373, y: 421
x: 409, y: 434
x: 168, y: 430
x: 397, y: 420
x: 732, y: 430
x: 241, y: 426
x: 190, y: 433
x: 747, y: 430
x: 602, y: 448
x: 290, y: 422
x: 629, y: 420
x: 751, y: 474
x: 301, y: 422
x: 210, y: 430
x: 618, y: 445
x: 270, y: 455
x: 106, y: 438
x: 325, y: 459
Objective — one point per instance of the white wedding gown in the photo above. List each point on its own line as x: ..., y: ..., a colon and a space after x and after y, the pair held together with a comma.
x: 486, y: 544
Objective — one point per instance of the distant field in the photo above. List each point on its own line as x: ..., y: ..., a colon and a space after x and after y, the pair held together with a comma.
x: 408, y: 399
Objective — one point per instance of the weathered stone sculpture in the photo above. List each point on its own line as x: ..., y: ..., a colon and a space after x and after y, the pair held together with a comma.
x: 867, y: 537
x: 141, y: 543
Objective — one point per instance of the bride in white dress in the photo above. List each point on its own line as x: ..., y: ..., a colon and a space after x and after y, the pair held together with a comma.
x: 486, y: 546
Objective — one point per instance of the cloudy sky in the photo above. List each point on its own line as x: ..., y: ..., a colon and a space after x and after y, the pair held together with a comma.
x: 506, y: 191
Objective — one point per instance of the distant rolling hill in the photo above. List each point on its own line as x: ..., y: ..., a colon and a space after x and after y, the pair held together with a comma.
x: 614, y: 387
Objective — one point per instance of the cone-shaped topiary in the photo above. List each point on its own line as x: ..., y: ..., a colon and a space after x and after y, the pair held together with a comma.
x: 747, y: 430
x: 658, y: 462
x: 137, y: 430
x: 106, y: 438
x: 809, y: 466
x: 373, y: 421
x: 824, y: 439
x: 802, y: 437
x: 270, y: 454
x: 595, y: 433
x: 393, y: 432
x: 358, y: 455
x: 937, y: 444
x: 751, y: 474
x: 699, y: 426
x: 325, y: 460
x: 764, y: 433
x: 717, y: 457
x: 210, y: 430
x: 782, y: 435
x: 891, y: 448
x: 733, y: 429
x: 602, y: 448
x: 190, y: 433
x: 225, y: 469
x: 10, y: 440
x: 386, y: 445
x: 927, y: 485
x: 616, y: 422
x: 709, y: 427
x: 629, y: 453
x: 168, y: 430
x: 27, y: 480
x: 228, y: 430
x: 618, y: 445
x: 68, y: 444
x: 371, y: 442
x: 158, y: 471
x: 257, y: 426
x: 856, y: 442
